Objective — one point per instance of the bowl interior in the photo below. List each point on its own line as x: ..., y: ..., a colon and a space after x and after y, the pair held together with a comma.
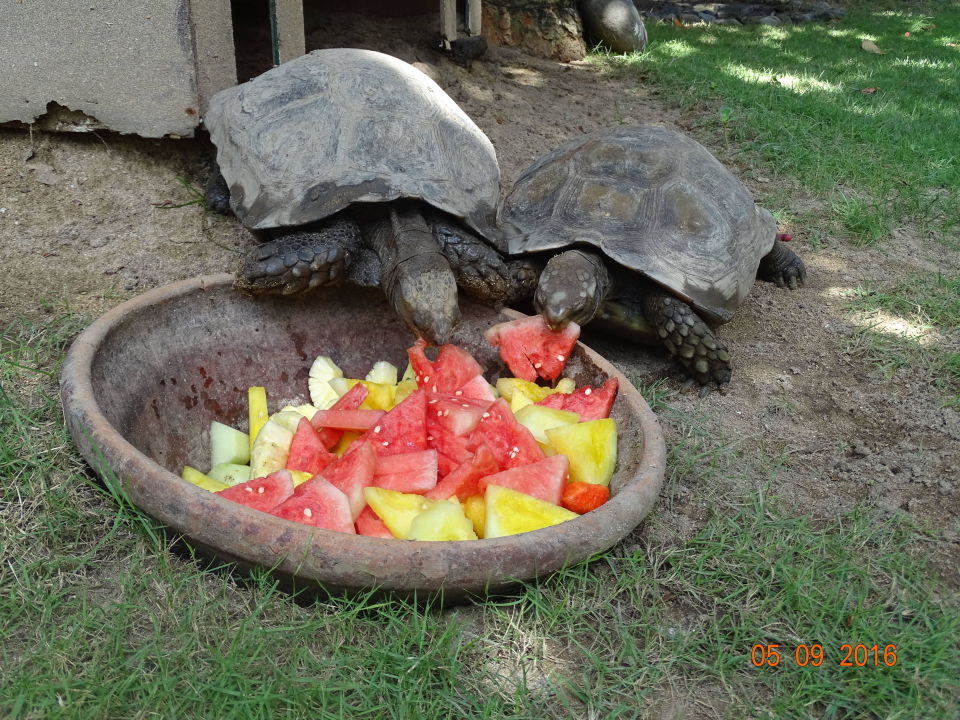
x: 141, y: 386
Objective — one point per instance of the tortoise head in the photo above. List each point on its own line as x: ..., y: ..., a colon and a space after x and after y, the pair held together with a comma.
x: 572, y: 287
x: 426, y: 301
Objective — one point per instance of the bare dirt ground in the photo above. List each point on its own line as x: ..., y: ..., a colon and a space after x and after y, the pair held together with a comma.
x: 80, y: 226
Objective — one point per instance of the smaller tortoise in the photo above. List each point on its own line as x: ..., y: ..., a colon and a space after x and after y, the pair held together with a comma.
x: 351, y: 164
x: 664, y: 242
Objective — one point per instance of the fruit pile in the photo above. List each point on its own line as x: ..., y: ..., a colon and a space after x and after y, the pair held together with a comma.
x: 438, y: 454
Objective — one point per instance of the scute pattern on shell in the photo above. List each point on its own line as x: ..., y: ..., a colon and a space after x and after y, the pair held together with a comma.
x: 304, y: 140
x: 653, y: 200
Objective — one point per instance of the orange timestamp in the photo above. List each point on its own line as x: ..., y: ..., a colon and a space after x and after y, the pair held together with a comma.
x: 849, y: 655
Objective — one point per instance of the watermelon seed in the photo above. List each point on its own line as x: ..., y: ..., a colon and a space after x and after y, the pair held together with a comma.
x: 439, y: 413
x: 434, y: 388
x: 560, y: 358
x: 587, y: 391
x: 385, y: 443
x: 308, y: 512
x: 249, y: 489
x: 538, y: 365
x: 466, y: 405
x: 431, y: 402
x: 446, y: 412
x: 376, y: 429
x: 486, y: 415
x: 430, y: 438
x: 260, y: 489
x: 426, y: 378
x: 458, y: 393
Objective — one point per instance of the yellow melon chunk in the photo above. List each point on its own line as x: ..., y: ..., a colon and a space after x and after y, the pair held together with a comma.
x: 475, y: 508
x: 396, y: 509
x: 257, y: 409
x: 195, y: 477
x: 405, y: 388
x: 509, y: 512
x: 380, y: 396
x: 538, y: 419
x: 348, y: 437
x: 443, y: 521
x: 300, y: 477
x: 591, y: 447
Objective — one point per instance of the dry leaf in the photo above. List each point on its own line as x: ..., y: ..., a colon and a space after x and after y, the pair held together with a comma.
x: 871, y: 47
x: 869, y: 90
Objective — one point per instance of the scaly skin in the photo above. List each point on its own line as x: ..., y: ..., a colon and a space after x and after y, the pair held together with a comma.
x: 688, y: 338
x: 480, y: 270
x: 783, y: 267
x: 299, y: 261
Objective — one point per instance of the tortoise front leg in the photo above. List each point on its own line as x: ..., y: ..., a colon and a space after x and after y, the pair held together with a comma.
x: 688, y: 338
x: 782, y: 266
x: 299, y: 261
x: 480, y: 270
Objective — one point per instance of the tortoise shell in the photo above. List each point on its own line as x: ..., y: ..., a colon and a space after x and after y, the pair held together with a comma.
x: 334, y: 127
x: 654, y: 201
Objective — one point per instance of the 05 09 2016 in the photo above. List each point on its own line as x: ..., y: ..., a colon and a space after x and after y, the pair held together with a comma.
x: 850, y: 655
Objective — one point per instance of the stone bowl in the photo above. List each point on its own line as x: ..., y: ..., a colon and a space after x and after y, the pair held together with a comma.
x: 140, y: 386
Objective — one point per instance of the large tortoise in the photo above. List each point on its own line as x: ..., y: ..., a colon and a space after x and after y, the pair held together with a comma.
x: 352, y: 164
x: 664, y: 241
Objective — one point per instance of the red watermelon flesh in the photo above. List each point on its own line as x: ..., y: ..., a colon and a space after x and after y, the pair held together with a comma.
x: 530, y: 348
x: 453, y: 368
x: 346, y: 419
x: 350, y: 474
x: 402, y: 429
x: 321, y: 505
x: 459, y: 415
x: 463, y: 480
x: 545, y: 479
x: 350, y: 400
x: 589, y: 403
x: 370, y: 525
x: 414, y: 472
x: 452, y: 449
x: 478, y: 389
x: 262, y: 493
x: 307, y: 451
x: 511, y: 443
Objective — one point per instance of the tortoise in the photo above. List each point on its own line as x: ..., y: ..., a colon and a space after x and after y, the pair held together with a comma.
x: 615, y: 23
x: 351, y: 164
x: 660, y: 242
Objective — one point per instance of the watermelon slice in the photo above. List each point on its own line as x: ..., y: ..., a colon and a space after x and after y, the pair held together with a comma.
x: 262, y: 493
x: 414, y: 472
x: 463, y: 480
x: 453, y: 368
x: 452, y: 449
x: 307, y: 452
x: 589, y: 403
x: 346, y: 419
x: 350, y: 474
x: 403, y: 429
x: 320, y: 505
x: 457, y: 414
x: 369, y: 524
x: 543, y: 480
x: 511, y: 443
x: 350, y: 400
x: 478, y: 389
x: 530, y: 348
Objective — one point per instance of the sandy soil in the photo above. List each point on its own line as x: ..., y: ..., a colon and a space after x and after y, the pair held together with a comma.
x: 81, y: 225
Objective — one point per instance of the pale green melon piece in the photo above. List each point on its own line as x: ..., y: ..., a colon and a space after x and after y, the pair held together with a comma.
x: 228, y: 445
x: 272, y: 445
x: 230, y: 473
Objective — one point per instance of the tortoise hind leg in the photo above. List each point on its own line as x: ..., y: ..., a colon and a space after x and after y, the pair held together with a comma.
x: 216, y: 195
x: 299, y: 261
x: 688, y: 338
x: 782, y: 266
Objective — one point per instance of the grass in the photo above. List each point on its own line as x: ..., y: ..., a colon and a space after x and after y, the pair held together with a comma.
x: 103, y: 617
x: 912, y: 323
x: 875, y: 138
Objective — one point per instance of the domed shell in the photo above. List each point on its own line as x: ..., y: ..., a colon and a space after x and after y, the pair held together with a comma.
x: 334, y: 127
x: 653, y: 200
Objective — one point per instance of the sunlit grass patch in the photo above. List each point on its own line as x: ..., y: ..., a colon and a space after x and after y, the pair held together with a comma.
x: 877, y: 137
